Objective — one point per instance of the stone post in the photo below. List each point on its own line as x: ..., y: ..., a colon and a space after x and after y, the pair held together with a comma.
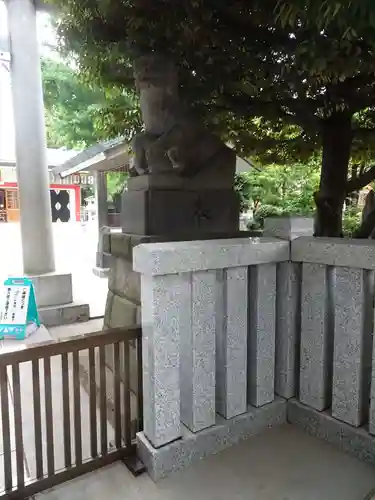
x: 261, y: 345
x: 288, y: 300
x: 32, y: 171
x: 231, y: 342
x: 352, y: 353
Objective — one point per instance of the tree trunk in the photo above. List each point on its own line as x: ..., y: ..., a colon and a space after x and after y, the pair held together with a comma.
x: 337, y: 142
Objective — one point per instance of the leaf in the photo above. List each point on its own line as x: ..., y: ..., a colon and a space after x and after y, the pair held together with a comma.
x: 337, y: 9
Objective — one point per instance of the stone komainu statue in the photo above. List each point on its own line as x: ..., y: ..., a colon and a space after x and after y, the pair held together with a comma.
x: 173, y: 141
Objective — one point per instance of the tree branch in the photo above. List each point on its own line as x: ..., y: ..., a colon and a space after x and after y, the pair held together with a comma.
x: 361, y: 181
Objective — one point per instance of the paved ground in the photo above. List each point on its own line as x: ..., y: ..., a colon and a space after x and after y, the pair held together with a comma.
x: 281, y: 464
x: 75, y: 250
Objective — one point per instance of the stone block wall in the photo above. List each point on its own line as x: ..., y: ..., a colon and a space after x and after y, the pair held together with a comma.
x: 123, y: 307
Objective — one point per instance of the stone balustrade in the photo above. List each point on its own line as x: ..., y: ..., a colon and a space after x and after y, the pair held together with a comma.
x: 242, y: 334
x: 337, y: 313
x: 199, y: 299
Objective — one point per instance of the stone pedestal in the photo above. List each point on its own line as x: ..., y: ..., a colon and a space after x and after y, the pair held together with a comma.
x: 164, y: 212
x: 166, y: 205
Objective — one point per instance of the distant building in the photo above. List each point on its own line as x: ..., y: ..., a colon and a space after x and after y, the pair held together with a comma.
x: 66, y: 198
x: 65, y: 192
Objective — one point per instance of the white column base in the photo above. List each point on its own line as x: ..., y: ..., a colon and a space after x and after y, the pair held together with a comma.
x: 65, y: 314
x: 54, y: 297
x: 53, y: 289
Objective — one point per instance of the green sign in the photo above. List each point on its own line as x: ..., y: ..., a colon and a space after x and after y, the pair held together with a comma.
x: 18, y: 308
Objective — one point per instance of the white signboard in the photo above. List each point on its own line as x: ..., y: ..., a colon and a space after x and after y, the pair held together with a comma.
x: 14, y: 300
x: 17, y: 308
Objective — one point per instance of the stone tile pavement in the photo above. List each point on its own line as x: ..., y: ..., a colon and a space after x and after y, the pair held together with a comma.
x: 281, y: 464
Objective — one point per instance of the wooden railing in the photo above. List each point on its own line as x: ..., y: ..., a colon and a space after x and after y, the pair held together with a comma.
x: 51, y: 430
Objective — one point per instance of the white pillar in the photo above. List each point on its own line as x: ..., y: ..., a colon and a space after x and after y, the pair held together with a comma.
x: 32, y: 171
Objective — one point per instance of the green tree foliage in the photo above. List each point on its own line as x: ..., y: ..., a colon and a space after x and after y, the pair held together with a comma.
x: 287, y: 190
x: 279, y: 189
x: 80, y: 114
x: 279, y: 79
x: 116, y: 183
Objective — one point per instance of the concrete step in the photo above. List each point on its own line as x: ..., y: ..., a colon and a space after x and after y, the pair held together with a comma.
x: 64, y: 314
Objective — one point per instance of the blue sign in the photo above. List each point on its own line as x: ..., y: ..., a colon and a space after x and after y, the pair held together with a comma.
x: 18, y: 308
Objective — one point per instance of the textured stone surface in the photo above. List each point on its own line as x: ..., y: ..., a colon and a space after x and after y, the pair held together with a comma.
x: 208, y: 178
x: 120, y: 246
x: 231, y: 342
x: 372, y: 396
x: 64, y: 315
x: 156, y: 212
x: 119, y: 312
x: 186, y: 256
x: 103, y: 260
x: 288, y: 328
x: 352, y: 343
x: 124, y: 281
x: 103, y: 257
x: 356, y: 441
x: 261, y: 341
x: 316, y: 338
x: 197, y: 353
x: 334, y: 252
x: 288, y: 228
x: 165, y: 318
x: 106, y: 243
x: 194, y: 447
x: 53, y: 289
